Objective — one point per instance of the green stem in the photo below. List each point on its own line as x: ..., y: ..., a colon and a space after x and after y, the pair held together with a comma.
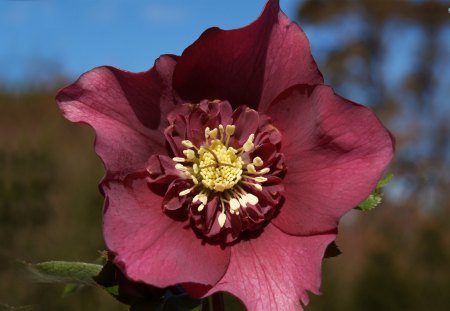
x: 205, y: 305
x: 218, y: 302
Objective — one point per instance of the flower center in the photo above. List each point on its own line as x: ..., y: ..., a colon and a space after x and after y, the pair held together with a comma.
x: 220, y: 166
x: 216, y: 167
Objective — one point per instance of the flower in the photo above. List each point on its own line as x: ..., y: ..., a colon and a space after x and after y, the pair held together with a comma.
x: 229, y: 167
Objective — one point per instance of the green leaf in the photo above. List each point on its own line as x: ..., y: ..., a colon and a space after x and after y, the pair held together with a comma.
x: 375, y: 197
x: 384, y: 181
x: 371, y: 202
x: 78, y: 273
x: 70, y: 289
x: 113, y: 290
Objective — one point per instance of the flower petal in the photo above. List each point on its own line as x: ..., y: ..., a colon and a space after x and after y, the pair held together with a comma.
x: 335, y: 152
x: 125, y: 109
x: 274, y: 270
x: 151, y: 247
x: 247, y: 66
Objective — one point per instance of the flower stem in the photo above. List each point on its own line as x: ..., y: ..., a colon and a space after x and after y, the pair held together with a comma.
x: 218, y: 302
x: 205, y: 305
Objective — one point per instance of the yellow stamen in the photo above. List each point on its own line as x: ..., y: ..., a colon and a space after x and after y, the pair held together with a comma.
x: 187, y: 144
x: 221, y: 219
x: 190, y: 154
x: 258, y: 161
x: 234, y: 204
x: 216, y: 167
x: 213, y: 133
x: 251, y: 169
x: 261, y: 179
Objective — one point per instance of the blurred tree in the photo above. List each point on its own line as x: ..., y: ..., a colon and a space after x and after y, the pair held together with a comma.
x: 393, y: 56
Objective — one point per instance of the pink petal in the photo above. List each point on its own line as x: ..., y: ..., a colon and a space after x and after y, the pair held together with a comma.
x: 335, y: 152
x: 151, y: 247
x: 125, y: 109
x: 247, y: 66
x: 274, y: 270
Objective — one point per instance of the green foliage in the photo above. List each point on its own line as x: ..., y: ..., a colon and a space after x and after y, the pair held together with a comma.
x: 65, y: 272
x: 375, y: 197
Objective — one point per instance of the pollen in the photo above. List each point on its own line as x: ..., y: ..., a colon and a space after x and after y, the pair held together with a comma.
x: 217, y: 169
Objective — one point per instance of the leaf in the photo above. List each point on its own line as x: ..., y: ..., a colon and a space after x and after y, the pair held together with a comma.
x: 65, y: 272
x: 371, y: 202
x: 107, y: 280
x: 70, y: 289
x: 375, y: 197
x: 113, y: 290
x: 384, y: 181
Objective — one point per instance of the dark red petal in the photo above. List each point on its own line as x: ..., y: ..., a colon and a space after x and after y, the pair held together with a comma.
x: 246, y: 121
x: 247, y: 66
x: 173, y: 202
x: 335, y: 152
x: 274, y: 271
x: 125, y: 109
x: 162, y: 169
x: 152, y: 248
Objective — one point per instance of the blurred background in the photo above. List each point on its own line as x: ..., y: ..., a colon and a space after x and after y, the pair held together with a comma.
x: 390, y: 55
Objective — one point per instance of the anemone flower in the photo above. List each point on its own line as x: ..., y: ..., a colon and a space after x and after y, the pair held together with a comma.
x: 229, y: 167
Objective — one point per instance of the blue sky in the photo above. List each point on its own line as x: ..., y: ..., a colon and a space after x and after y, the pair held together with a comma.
x: 41, y: 37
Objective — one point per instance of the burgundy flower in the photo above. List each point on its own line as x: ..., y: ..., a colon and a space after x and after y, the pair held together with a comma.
x: 229, y: 167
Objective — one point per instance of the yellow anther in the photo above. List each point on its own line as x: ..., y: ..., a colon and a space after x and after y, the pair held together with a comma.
x: 251, y: 169
x: 264, y: 171
x: 252, y: 199
x: 203, y: 198
x: 260, y: 179
x: 257, y: 187
x: 213, y: 133
x: 251, y: 137
x: 257, y: 161
x: 200, y: 207
x: 234, y: 204
x: 184, y: 192
x: 181, y: 167
x: 219, y: 187
x: 243, y: 202
x: 196, y: 198
x: 221, y: 219
x: 189, y: 153
x: 248, y: 146
x: 187, y: 144
x: 230, y: 129
x: 221, y: 131
x: 178, y: 159
x: 195, y: 168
